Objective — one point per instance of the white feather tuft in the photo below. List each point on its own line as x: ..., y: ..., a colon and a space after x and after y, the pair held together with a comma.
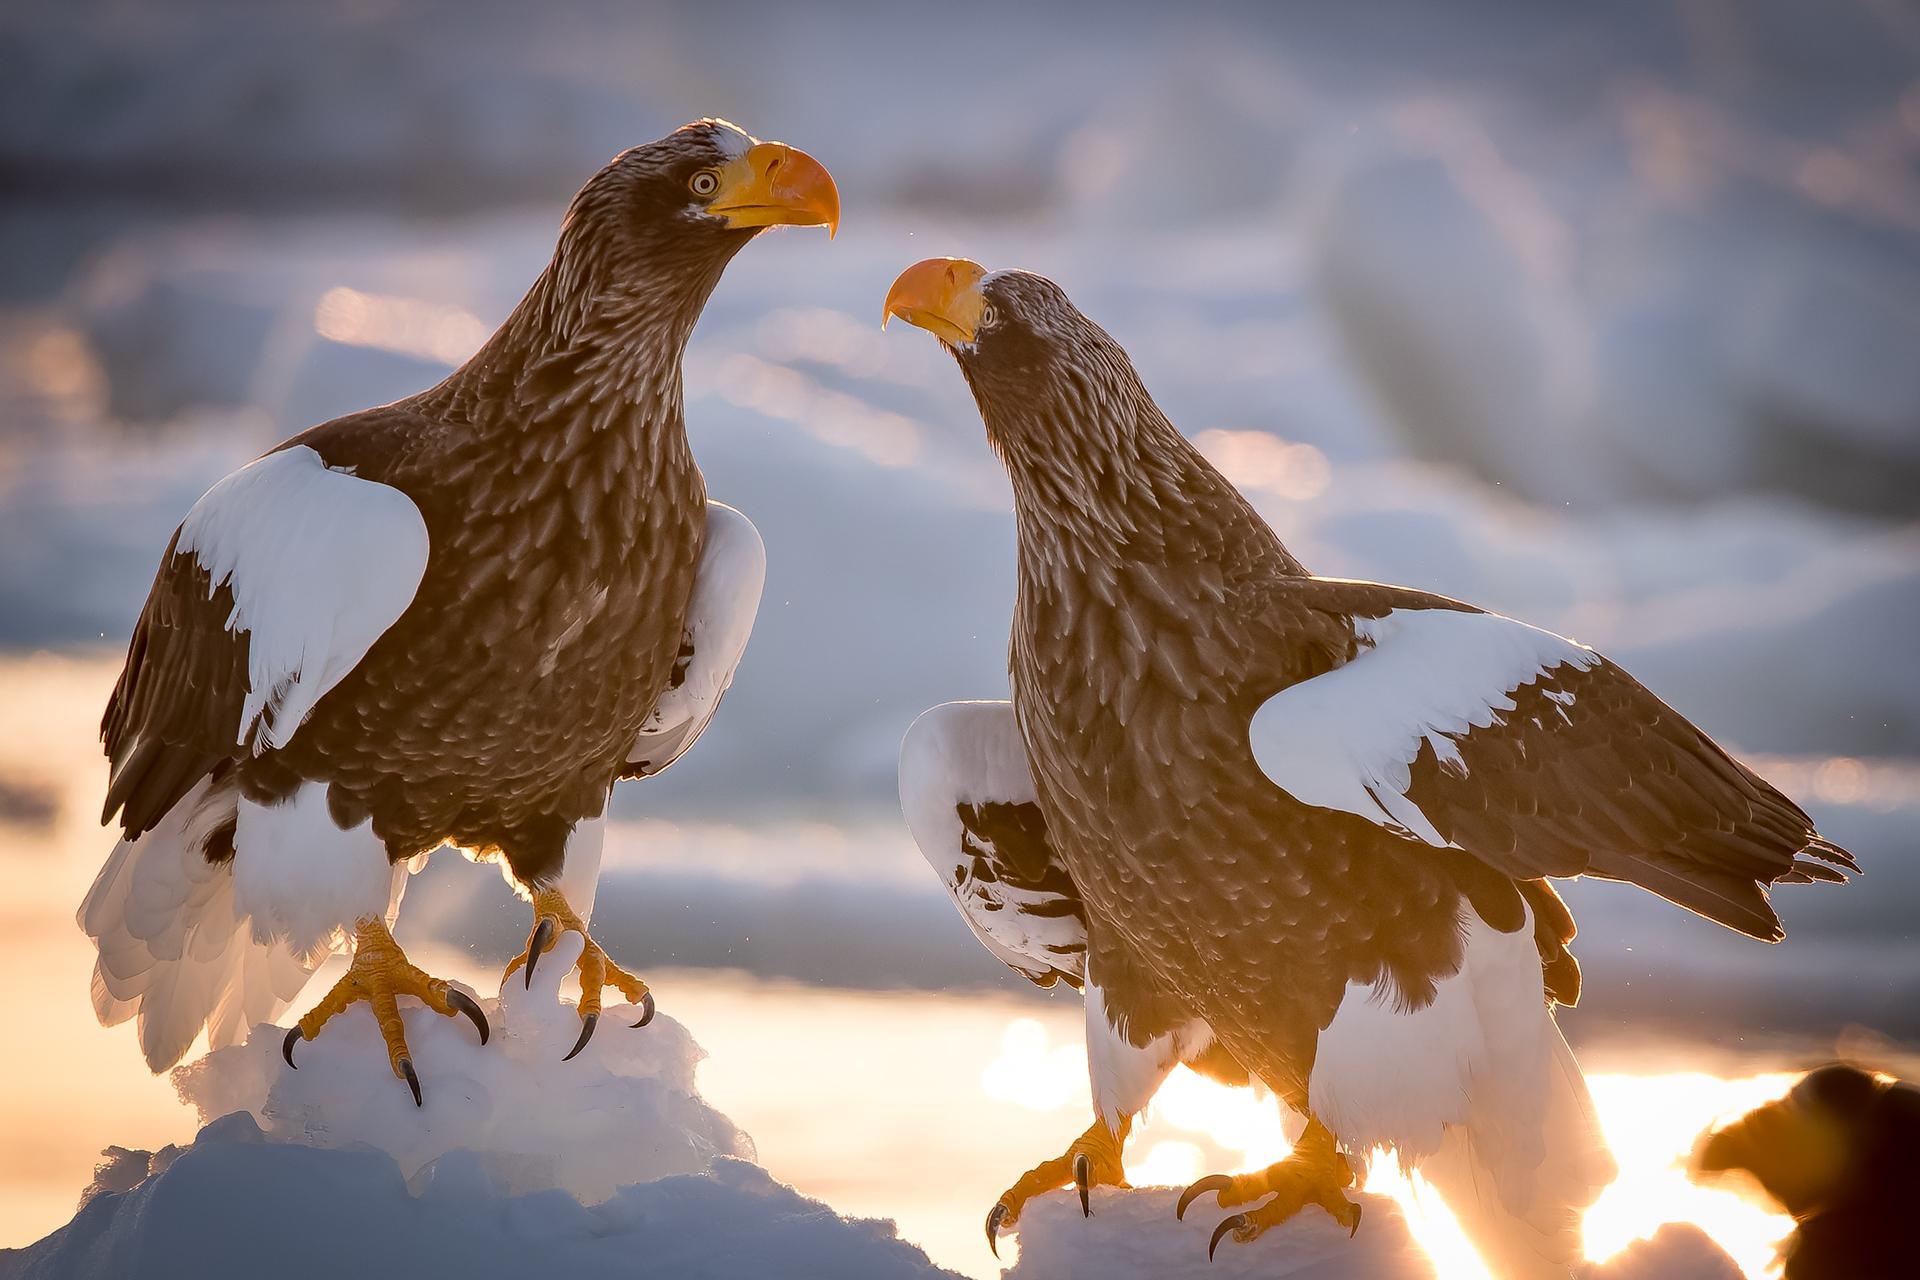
x: 725, y: 601
x: 1346, y: 739
x: 175, y: 952
x: 1479, y: 1089
x: 320, y: 564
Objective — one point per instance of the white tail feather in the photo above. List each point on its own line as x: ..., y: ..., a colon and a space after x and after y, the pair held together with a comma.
x: 174, y: 951
x: 1530, y: 1232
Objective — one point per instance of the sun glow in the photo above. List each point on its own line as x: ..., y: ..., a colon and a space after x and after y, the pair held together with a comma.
x: 1197, y: 1126
x: 1651, y: 1123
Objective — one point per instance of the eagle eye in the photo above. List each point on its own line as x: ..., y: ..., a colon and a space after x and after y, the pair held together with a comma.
x: 989, y: 316
x: 705, y: 182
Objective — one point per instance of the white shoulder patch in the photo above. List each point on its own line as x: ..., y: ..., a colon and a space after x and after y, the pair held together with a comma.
x: 1124, y: 1076
x: 320, y: 564
x: 971, y: 753
x: 720, y: 614
x: 1346, y: 740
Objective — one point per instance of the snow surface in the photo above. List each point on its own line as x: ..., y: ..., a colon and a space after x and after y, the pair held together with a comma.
x: 518, y: 1164
x: 1134, y: 1233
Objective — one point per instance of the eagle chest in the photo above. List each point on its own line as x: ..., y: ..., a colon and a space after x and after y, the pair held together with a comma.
x: 519, y: 678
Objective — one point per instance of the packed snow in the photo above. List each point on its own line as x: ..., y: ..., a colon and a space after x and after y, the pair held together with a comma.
x: 516, y: 1164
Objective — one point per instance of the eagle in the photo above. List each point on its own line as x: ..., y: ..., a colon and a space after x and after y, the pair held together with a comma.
x: 455, y: 619
x: 1838, y: 1153
x: 1306, y: 826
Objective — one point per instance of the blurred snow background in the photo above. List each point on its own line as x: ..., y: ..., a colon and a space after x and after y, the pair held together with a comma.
x: 1604, y: 316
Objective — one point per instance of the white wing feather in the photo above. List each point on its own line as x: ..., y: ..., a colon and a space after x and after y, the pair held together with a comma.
x: 320, y: 564
x: 972, y: 753
x: 720, y: 614
x: 1346, y: 740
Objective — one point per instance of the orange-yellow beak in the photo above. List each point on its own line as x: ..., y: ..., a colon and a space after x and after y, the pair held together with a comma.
x: 940, y: 295
x: 775, y: 185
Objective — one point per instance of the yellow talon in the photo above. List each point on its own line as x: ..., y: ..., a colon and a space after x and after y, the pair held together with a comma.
x: 379, y: 974
x: 1092, y: 1160
x: 1316, y: 1173
x: 552, y: 916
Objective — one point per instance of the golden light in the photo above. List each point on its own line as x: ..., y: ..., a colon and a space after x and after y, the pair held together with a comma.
x: 1429, y: 1220
x: 1031, y: 1073
x: 1650, y: 1123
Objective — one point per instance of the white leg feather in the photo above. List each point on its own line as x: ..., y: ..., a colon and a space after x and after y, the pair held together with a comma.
x: 175, y: 950
x: 1480, y: 1091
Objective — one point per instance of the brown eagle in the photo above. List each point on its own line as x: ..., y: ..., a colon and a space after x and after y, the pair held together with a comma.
x: 458, y: 618
x: 1299, y: 825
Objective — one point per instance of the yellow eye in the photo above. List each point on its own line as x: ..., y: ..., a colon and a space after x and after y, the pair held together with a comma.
x: 989, y: 316
x: 705, y: 182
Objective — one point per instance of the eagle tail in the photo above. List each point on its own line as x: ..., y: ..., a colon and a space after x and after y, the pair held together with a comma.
x: 1528, y: 1228
x: 174, y: 951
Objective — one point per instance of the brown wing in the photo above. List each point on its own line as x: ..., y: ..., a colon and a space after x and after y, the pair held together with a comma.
x: 324, y: 557
x: 1559, y: 766
x: 174, y: 710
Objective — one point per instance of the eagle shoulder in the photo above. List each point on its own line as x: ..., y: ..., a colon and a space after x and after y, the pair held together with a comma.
x: 720, y: 614
x: 274, y: 587
x: 970, y: 803
x: 1458, y: 728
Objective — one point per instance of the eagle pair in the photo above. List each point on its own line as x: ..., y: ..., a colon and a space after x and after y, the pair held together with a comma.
x: 1281, y: 827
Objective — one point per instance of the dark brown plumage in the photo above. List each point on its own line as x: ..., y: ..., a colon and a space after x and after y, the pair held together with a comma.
x: 1841, y: 1153
x: 1276, y: 794
x: 529, y: 535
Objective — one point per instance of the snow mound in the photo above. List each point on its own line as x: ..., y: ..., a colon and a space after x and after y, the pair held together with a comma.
x: 1134, y: 1233
x: 516, y: 1164
x: 238, y: 1204
x: 626, y: 1110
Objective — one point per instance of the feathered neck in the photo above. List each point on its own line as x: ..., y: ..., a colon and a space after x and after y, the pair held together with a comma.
x: 1103, y: 483
x: 596, y: 344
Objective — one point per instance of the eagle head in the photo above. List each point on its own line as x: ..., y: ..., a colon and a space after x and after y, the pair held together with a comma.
x: 1043, y: 373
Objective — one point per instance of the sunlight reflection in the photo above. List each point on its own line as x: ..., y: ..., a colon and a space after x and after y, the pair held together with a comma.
x: 1257, y: 460
x: 409, y: 326
x: 1167, y: 1164
x: 832, y: 417
x: 1030, y: 1074
x: 1431, y: 1222
x: 1242, y: 1120
x: 1650, y: 1123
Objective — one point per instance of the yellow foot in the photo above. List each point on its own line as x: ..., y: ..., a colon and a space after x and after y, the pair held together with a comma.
x: 551, y: 916
x: 380, y: 972
x: 1093, y: 1160
x: 1316, y: 1173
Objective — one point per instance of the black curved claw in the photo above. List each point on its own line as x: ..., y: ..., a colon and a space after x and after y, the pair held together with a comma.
x: 995, y: 1216
x: 1082, y: 1179
x: 542, y: 938
x: 586, y: 1034
x: 1212, y: 1182
x: 646, y: 1010
x: 1234, y: 1223
x: 413, y: 1079
x: 1354, y: 1230
x: 464, y: 1003
x: 286, y: 1046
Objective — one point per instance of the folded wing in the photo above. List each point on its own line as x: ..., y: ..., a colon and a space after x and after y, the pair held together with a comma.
x: 720, y: 614
x: 275, y: 586
x: 1540, y: 757
x: 969, y: 800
